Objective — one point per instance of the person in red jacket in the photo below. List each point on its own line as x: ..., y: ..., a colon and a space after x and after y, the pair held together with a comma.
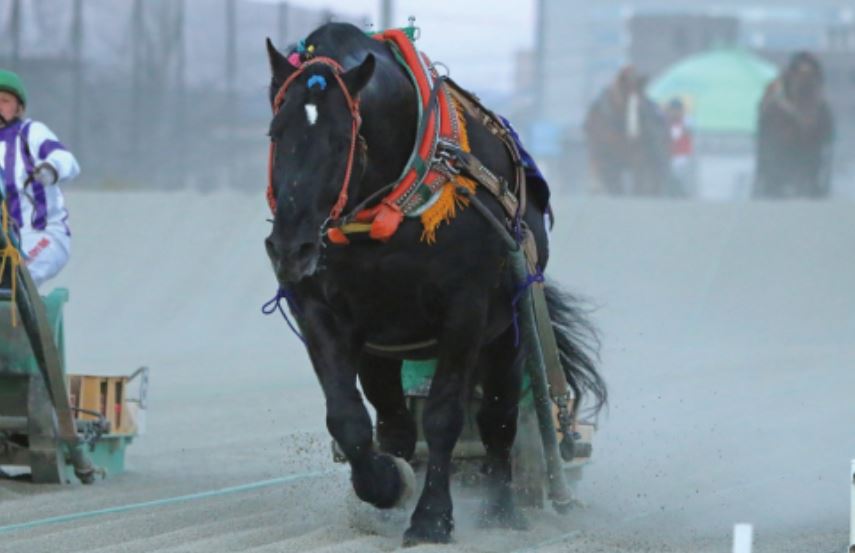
x: 682, y: 148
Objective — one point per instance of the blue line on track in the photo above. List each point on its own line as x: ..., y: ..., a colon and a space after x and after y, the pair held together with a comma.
x: 166, y: 501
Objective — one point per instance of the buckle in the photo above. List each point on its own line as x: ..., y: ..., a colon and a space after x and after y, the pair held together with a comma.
x: 447, y: 156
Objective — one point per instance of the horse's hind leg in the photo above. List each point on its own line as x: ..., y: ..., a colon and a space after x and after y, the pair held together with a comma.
x: 460, y: 343
x: 381, y: 382
x: 501, y: 366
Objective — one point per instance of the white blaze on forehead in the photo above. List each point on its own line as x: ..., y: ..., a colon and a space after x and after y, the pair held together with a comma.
x: 312, y: 113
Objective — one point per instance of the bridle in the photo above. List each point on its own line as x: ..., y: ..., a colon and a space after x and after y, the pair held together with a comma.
x: 352, y: 106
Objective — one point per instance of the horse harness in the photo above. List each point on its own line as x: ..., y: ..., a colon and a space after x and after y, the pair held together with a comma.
x: 441, y: 155
x: 512, y: 198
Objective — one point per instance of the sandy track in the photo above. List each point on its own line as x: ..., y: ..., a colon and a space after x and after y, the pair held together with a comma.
x: 727, y: 332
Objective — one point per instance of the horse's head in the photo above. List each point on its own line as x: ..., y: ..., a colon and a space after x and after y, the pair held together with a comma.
x: 313, y: 137
x: 803, y: 78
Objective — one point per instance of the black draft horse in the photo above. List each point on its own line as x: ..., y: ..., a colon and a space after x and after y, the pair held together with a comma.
x: 456, y: 293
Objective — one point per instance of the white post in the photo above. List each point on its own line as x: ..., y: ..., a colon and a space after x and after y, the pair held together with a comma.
x: 852, y: 509
x: 743, y: 538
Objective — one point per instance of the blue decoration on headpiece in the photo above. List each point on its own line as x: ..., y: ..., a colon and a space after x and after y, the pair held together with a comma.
x: 301, y: 46
x: 317, y: 80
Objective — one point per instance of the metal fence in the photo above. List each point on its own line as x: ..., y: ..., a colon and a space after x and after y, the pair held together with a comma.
x: 153, y: 93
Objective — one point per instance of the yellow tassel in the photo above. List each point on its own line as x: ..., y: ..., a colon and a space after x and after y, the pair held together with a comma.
x: 450, y: 200
x: 10, y: 254
x: 445, y: 208
x: 461, y: 120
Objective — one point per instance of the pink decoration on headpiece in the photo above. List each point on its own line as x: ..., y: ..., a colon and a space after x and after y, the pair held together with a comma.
x: 294, y: 59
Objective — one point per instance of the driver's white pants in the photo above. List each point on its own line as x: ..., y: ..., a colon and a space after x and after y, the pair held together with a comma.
x: 46, y: 251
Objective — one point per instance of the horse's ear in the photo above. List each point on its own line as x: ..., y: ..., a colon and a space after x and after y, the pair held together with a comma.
x: 280, y: 67
x: 356, y: 79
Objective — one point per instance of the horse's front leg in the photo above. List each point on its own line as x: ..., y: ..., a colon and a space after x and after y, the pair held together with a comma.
x: 379, y: 479
x: 460, y: 342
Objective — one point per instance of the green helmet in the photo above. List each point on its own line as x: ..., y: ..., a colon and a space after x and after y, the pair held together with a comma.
x: 11, y: 82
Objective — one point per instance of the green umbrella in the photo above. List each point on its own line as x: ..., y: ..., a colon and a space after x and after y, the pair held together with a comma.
x: 721, y: 89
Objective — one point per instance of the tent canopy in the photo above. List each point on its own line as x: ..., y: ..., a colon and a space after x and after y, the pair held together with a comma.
x: 720, y: 88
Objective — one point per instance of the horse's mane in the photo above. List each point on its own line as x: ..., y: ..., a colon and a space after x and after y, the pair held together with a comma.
x: 346, y: 44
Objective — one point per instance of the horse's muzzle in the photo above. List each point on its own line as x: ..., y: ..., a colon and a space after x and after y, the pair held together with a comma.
x: 292, y: 263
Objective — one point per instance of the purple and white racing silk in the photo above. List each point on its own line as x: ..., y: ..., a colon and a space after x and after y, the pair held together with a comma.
x: 34, y: 207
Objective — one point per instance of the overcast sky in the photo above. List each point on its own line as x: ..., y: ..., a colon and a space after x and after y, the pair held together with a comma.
x: 476, y: 39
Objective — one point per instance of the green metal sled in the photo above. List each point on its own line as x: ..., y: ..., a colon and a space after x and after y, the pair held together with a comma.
x: 469, y: 453
x: 31, y: 420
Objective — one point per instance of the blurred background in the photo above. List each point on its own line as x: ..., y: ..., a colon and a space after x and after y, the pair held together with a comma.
x: 171, y: 94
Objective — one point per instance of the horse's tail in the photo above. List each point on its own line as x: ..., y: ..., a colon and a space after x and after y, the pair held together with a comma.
x: 578, y: 347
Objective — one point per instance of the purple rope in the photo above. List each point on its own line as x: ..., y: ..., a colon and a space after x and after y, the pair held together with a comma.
x: 522, y: 289
x: 276, y: 304
x: 518, y: 233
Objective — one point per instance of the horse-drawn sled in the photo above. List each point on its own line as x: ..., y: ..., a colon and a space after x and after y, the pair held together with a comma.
x: 55, y: 427
x: 409, y: 224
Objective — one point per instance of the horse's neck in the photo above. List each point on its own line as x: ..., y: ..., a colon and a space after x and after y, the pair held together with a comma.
x: 389, y: 130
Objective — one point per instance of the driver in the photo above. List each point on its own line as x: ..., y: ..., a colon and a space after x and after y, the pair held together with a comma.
x: 33, y: 163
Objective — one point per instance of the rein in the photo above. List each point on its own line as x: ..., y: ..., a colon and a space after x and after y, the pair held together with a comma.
x: 352, y: 106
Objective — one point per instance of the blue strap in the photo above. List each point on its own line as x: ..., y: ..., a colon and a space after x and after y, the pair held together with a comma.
x: 275, y: 304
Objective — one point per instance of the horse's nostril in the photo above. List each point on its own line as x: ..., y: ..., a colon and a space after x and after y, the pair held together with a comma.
x: 270, y: 247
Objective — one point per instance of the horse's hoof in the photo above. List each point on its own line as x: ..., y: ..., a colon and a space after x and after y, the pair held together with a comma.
x: 418, y: 534
x: 503, y: 517
x: 386, y: 483
x: 563, y: 507
x: 408, y: 481
x: 435, y: 527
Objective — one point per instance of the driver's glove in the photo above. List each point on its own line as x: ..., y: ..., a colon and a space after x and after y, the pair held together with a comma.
x: 45, y: 174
